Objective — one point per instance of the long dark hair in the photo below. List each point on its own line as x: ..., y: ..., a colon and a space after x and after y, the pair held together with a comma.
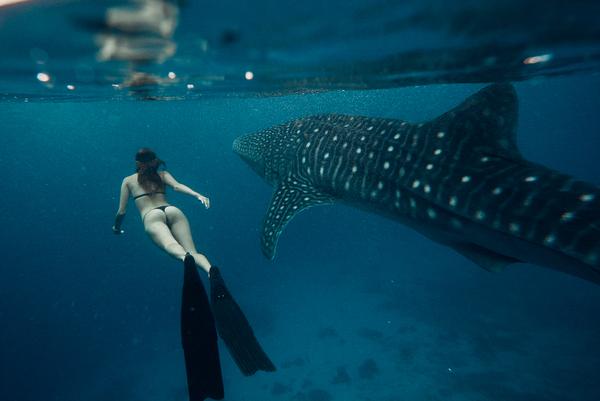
x: 147, y: 165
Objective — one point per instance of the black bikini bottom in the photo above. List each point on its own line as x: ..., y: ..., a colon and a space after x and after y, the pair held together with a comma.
x: 161, y: 208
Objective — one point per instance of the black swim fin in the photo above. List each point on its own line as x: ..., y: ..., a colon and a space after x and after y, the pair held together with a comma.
x: 234, y: 329
x: 199, y: 338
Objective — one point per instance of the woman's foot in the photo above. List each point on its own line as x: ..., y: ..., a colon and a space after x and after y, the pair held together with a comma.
x: 202, y: 262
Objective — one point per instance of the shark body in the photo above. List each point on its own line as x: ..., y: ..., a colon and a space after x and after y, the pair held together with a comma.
x: 459, y: 179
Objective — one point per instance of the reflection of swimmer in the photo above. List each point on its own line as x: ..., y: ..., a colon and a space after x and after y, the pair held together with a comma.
x: 138, y: 79
x: 134, y: 49
x: 155, y: 16
x: 165, y: 224
x: 168, y: 227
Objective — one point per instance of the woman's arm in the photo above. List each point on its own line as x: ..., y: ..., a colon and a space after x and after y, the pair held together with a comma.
x: 123, y: 198
x: 172, y: 182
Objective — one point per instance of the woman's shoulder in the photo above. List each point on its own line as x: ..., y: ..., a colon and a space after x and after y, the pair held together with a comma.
x: 128, y: 179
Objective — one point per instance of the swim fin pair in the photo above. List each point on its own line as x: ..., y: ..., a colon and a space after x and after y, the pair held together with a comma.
x: 199, y: 334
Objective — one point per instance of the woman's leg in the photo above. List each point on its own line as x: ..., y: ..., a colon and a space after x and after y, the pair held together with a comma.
x: 180, y: 228
x: 156, y: 227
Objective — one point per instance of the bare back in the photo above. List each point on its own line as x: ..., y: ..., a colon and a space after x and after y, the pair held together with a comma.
x: 149, y: 201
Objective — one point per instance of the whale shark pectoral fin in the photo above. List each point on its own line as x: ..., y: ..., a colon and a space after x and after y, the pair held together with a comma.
x: 488, y: 260
x: 291, y: 196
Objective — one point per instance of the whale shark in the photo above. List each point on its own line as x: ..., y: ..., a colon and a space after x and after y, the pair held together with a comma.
x: 458, y: 179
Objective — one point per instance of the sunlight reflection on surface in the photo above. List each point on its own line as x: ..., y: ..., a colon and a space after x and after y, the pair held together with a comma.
x: 9, y: 2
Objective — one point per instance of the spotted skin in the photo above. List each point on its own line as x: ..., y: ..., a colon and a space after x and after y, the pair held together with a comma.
x: 459, y: 179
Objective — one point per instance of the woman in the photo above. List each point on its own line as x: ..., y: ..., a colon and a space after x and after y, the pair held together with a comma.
x: 165, y: 224
x: 169, y: 229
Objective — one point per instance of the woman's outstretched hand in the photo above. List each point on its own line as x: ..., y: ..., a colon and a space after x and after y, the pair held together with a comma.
x: 205, y: 201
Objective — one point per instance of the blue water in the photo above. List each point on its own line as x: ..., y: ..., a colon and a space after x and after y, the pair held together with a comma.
x: 355, y: 307
x: 88, y: 315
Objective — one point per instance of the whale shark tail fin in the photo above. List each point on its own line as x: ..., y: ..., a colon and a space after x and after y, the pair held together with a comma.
x: 199, y: 338
x: 486, y: 120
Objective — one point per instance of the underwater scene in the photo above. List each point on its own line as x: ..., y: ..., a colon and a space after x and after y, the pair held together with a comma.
x: 389, y: 200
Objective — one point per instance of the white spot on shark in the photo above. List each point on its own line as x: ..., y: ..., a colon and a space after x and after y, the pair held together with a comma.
x: 465, y: 178
x: 456, y: 223
x: 401, y: 172
x: 429, y: 166
x: 308, y: 144
x: 303, y: 159
x: 358, y: 151
x: 354, y: 169
x: 386, y: 165
x: 437, y: 152
x: 550, y: 239
x: 480, y: 215
x: 427, y: 189
x: 453, y: 201
x: 371, y: 155
x: 431, y: 213
x: 497, y: 191
x: 380, y: 185
x: 416, y: 183
x: 514, y: 228
x: 531, y: 178
x: 390, y: 149
x: 567, y: 216
x: 316, y: 130
x: 587, y: 197
x: 397, y: 136
x: 485, y: 159
x: 441, y: 134
x: 370, y: 128
x: 326, y: 156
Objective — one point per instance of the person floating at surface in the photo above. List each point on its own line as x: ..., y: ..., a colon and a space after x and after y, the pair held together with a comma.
x: 166, y: 225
